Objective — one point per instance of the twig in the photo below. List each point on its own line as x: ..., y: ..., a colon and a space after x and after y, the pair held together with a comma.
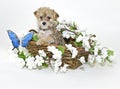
x: 66, y: 28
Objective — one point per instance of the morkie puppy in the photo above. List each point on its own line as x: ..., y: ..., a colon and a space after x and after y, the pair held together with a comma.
x: 47, y: 22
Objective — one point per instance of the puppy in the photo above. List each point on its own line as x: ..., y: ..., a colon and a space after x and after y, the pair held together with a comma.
x: 47, y: 22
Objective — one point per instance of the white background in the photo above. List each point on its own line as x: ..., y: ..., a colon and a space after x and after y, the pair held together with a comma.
x: 100, y: 17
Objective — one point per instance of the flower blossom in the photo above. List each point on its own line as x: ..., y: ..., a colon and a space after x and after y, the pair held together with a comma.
x: 99, y: 59
x: 68, y: 34
x: 91, y: 59
x: 39, y: 60
x: 60, y: 27
x: 20, y: 62
x: 63, y: 69
x: 84, y: 38
x: 79, y: 38
x: 86, y: 44
x: 82, y: 59
x: 56, y: 65
x: 104, y: 53
x: 30, y: 63
x: 72, y: 49
x: 56, y: 53
x: 42, y: 53
x: 24, y: 50
x: 96, y: 49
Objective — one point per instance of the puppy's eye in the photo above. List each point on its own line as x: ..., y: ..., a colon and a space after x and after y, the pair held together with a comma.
x: 41, y: 17
x: 48, y: 17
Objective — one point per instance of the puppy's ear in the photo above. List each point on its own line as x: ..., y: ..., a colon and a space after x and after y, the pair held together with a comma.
x: 35, y: 13
x: 56, y: 15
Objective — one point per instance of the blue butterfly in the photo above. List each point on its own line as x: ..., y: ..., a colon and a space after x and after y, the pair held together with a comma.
x: 16, y: 41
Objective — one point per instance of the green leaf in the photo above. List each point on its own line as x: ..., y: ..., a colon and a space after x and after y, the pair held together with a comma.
x: 35, y: 38
x: 22, y: 55
x: 108, y: 60
x: 62, y: 49
x: 91, y: 50
x: 80, y: 34
x: 110, y: 52
x: 45, y: 65
x: 78, y: 43
x: 99, y: 52
x: 73, y: 26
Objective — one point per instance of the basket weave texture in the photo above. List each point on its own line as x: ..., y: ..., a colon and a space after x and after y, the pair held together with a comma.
x: 66, y: 57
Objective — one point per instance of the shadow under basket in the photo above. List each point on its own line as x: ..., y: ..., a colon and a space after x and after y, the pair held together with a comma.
x: 66, y: 57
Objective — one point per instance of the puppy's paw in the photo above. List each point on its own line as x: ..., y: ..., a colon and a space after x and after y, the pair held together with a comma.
x: 50, y: 41
x: 40, y: 42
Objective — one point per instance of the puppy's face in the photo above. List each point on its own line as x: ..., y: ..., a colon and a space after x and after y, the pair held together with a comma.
x: 46, y: 18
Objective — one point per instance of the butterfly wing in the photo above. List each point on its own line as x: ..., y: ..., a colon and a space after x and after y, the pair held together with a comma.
x: 26, y: 39
x: 13, y: 37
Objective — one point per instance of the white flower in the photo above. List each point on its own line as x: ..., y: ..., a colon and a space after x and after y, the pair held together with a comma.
x: 84, y: 38
x: 99, y: 59
x: 56, y: 53
x: 82, y: 59
x: 111, y: 58
x: 20, y: 62
x: 24, y: 50
x: 56, y: 65
x: 68, y: 34
x: 42, y: 53
x: 96, y: 50
x: 91, y: 58
x: 63, y: 69
x: 60, y: 27
x: 79, y: 38
x: 51, y: 48
x: 39, y: 60
x: 86, y: 44
x: 84, y: 33
x: 30, y: 62
x: 75, y: 52
x: 104, y: 53
x: 69, y: 46
x: 72, y: 49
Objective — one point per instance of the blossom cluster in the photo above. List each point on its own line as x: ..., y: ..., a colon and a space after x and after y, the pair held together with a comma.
x: 57, y: 55
x: 101, y: 55
x: 70, y: 30
x: 72, y: 49
x: 65, y: 27
x: 98, y: 54
x: 24, y: 59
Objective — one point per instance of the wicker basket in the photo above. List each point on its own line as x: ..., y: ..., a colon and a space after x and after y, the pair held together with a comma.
x: 66, y: 58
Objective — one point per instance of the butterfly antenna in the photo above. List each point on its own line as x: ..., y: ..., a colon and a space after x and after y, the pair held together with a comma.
x: 13, y: 48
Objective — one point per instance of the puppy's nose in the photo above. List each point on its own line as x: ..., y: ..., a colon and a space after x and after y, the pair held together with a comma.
x: 44, y: 23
